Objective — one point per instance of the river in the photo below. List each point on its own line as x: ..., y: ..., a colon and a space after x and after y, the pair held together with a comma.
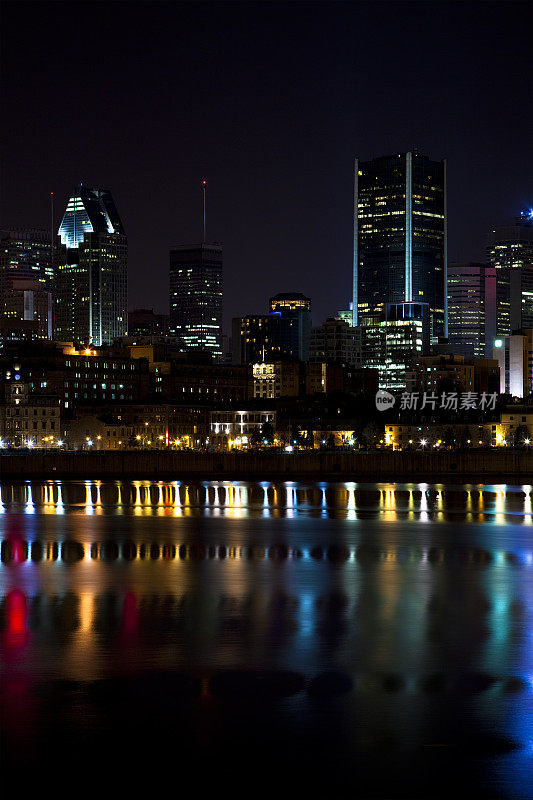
x: 374, y: 640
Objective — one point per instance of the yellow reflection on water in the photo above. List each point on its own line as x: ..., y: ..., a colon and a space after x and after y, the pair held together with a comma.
x: 499, y: 517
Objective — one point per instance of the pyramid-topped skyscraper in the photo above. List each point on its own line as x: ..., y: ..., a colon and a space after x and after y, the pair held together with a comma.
x: 92, y: 287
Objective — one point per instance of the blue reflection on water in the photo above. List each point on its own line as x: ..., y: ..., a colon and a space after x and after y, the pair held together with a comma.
x: 315, y: 578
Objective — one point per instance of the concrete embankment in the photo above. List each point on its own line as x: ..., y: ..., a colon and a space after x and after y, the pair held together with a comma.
x: 497, y: 465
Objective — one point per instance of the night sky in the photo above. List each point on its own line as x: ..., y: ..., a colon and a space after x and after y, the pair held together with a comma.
x: 270, y: 102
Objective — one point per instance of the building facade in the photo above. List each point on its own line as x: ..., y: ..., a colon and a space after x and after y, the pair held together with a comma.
x: 196, y: 297
x: 514, y: 354
x: 472, y: 308
x: 294, y: 329
x: 255, y: 338
x: 510, y: 252
x: 336, y: 341
x: 27, y: 253
x: 145, y: 322
x: 92, y: 290
x: 400, y: 236
x: 26, y: 282
x: 27, y: 419
x: 453, y: 372
x: 392, y: 342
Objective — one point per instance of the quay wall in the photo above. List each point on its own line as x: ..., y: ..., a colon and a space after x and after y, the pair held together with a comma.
x: 476, y: 466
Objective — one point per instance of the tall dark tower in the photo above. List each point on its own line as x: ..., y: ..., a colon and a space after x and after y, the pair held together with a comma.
x: 196, y: 296
x: 92, y: 288
x: 510, y: 251
x: 400, y: 237
x: 26, y: 280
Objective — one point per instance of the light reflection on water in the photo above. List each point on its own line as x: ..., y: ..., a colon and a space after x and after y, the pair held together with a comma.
x: 419, y: 597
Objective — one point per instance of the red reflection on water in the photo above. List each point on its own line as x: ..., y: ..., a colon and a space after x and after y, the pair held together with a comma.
x: 15, y: 634
x: 16, y: 612
x: 130, y: 614
x: 18, y: 548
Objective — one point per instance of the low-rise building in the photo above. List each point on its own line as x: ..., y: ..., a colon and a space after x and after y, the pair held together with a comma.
x: 26, y: 419
x: 430, y: 436
x: 238, y: 429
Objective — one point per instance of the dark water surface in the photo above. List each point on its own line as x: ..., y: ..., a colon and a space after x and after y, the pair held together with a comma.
x: 370, y: 640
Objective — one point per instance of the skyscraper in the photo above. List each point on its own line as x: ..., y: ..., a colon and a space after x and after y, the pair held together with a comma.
x: 26, y: 282
x: 472, y: 309
x: 91, y: 285
x: 196, y: 296
x: 400, y: 236
x: 294, y: 311
x: 282, y: 333
x: 510, y: 251
x: 390, y: 344
x: 27, y: 253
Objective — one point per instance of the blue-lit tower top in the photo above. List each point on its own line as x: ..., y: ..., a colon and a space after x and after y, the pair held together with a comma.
x: 88, y: 211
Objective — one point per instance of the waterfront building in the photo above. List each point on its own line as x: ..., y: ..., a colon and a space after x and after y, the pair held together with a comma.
x: 429, y: 437
x: 132, y: 426
x: 400, y: 236
x: 471, y: 308
x: 196, y: 297
x: 238, y: 429
x: 91, y: 305
x: 27, y: 419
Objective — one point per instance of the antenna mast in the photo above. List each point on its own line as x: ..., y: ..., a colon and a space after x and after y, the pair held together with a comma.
x: 204, y: 187
x: 52, y: 230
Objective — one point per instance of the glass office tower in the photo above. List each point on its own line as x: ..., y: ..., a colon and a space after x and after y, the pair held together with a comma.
x: 92, y: 289
x: 510, y: 251
x: 26, y: 281
x: 196, y: 297
x: 400, y: 236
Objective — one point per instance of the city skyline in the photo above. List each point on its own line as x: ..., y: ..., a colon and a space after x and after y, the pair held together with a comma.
x: 280, y: 175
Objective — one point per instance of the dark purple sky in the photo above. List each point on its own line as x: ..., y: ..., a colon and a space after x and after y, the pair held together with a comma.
x: 270, y: 102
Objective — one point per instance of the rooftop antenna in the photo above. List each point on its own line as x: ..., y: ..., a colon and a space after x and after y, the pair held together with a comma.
x: 204, y: 187
x: 52, y: 228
